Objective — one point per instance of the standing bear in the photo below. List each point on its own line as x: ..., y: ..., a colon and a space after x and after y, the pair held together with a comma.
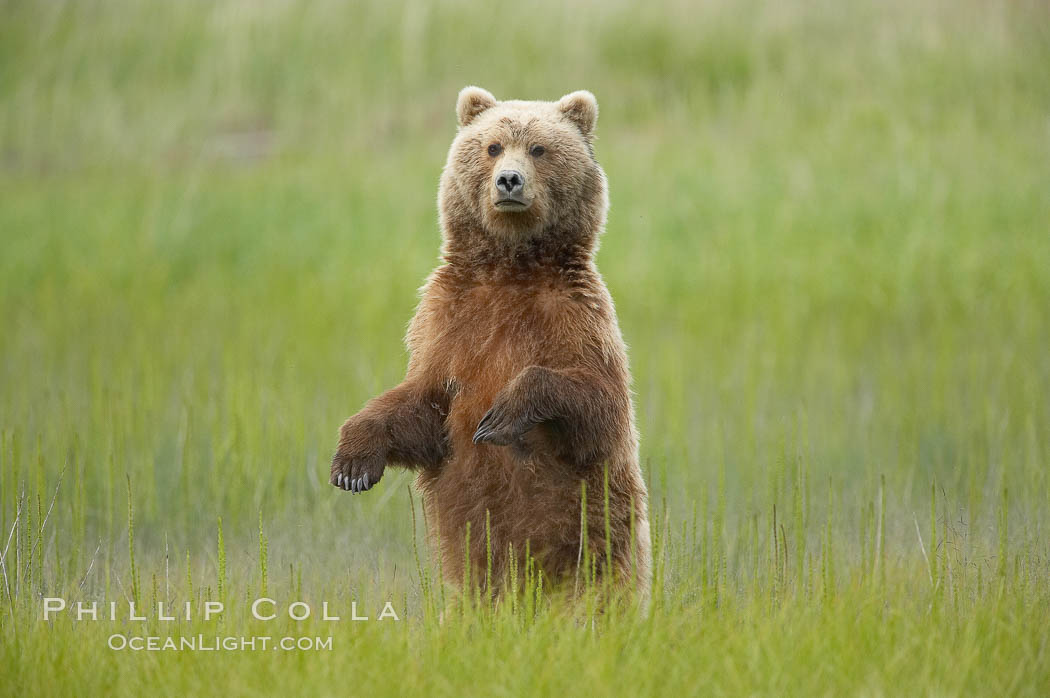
x: 517, y: 395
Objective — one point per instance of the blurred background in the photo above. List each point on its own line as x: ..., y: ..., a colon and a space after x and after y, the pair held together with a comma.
x: 829, y: 245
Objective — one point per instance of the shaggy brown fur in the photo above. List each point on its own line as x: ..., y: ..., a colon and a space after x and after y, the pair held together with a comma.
x: 517, y: 387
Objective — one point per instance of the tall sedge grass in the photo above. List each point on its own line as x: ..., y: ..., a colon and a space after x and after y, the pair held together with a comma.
x: 771, y: 597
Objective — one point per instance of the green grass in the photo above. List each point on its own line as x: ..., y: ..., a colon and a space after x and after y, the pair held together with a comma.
x: 829, y: 245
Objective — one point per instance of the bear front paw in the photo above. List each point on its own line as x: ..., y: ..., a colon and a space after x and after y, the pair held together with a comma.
x: 356, y: 472
x: 503, y: 424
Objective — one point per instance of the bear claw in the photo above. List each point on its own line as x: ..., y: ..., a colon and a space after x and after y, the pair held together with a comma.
x: 356, y: 474
x: 485, y: 428
x: 499, y: 428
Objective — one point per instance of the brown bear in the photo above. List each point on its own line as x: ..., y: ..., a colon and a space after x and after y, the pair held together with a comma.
x: 517, y: 393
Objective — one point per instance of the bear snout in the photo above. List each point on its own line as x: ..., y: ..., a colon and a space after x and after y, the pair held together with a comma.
x: 510, y: 190
x: 510, y: 182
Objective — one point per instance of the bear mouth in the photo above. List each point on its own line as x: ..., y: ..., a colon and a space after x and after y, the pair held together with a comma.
x: 511, y: 205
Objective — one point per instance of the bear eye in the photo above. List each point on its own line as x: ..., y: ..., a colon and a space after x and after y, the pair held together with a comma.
x: 495, y: 149
x: 537, y: 150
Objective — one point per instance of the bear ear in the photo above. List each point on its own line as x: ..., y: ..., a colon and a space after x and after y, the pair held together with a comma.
x: 581, y: 108
x: 472, y: 101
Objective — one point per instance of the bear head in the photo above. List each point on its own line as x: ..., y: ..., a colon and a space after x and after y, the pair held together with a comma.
x: 523, y: 174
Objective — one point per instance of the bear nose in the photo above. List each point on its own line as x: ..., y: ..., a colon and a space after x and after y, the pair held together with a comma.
x: 510, y: 182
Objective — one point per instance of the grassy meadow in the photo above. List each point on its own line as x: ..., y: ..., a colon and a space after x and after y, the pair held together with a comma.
x: 829, y: 245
